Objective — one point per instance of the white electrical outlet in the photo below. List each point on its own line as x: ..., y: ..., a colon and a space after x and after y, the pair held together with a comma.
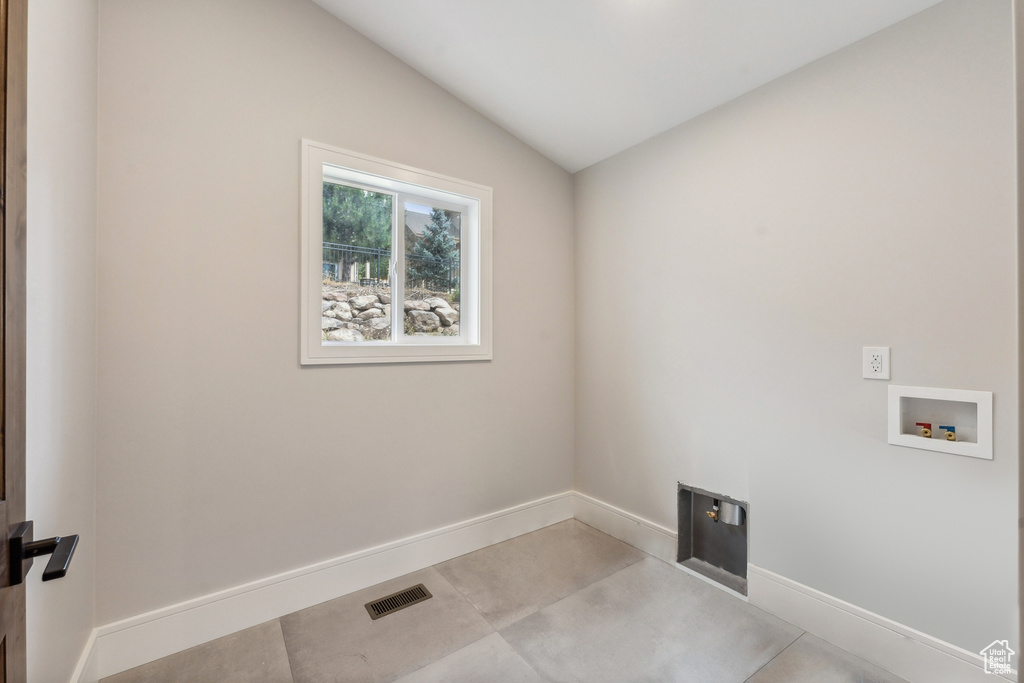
x: 876, y: 362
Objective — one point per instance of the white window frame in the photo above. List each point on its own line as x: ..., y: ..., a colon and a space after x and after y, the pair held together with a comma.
x: 322, y: 162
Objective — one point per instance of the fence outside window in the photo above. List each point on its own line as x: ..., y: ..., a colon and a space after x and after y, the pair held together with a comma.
x: 371, y: 265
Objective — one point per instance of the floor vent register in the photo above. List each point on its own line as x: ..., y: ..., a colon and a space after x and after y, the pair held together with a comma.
x: 396, y: 601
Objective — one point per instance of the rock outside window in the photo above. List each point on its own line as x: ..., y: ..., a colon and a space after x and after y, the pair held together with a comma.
x: 396, y: 262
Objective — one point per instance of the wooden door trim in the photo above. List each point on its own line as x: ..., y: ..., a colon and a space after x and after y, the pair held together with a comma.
x: 13, y: 156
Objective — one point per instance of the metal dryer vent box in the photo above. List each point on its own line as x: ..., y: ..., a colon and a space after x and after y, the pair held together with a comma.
x: 713, y: 536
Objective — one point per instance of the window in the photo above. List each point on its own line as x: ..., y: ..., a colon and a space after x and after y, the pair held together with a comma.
x: 395, y: 262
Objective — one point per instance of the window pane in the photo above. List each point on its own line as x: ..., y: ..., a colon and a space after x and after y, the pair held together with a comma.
x: 433, y: 242
x: 356, y: 287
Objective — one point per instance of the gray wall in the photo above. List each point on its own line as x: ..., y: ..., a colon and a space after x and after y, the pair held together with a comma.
x: 221, y: 460
x: 61, y: 334
x: 729, y: 272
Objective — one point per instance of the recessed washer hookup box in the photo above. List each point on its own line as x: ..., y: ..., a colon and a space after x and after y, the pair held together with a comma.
x: 713, y: 536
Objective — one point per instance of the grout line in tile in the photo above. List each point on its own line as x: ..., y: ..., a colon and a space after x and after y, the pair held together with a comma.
x: 409, y: 673
x: 643, y: 555
x: 287, y: 655
x: 468, y: 602
x: 521, y: 656
x: 566, y: 597
x: 287, y: 649
x: 464, y: 596
x: 557, y: 600
x: 777, y: 654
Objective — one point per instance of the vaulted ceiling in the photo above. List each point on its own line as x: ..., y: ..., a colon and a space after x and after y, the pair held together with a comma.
x: 580, y: 80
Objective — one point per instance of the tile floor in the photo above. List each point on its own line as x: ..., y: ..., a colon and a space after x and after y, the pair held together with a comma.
x: 565, y: 603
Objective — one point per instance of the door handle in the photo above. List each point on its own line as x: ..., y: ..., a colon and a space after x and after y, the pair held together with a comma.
x: 22, y: 548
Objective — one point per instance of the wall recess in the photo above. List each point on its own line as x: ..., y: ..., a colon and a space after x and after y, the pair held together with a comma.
x: 713, y: 536
x: 953, y: 421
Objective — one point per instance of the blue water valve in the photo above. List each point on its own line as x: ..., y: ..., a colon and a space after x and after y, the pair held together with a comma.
x: 950, y: 432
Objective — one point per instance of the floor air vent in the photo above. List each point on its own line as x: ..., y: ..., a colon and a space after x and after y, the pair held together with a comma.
x: 396, y: 601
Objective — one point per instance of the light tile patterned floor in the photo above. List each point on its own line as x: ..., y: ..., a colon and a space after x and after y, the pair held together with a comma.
x: 565, y: 603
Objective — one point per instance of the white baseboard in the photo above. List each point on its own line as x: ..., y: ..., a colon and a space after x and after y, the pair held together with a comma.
x: 638, y: 532
x: 899, y: 649
x: 87, y: 670
x: 122, y: 645
x: 910, y: 654
x: 641, y: 533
